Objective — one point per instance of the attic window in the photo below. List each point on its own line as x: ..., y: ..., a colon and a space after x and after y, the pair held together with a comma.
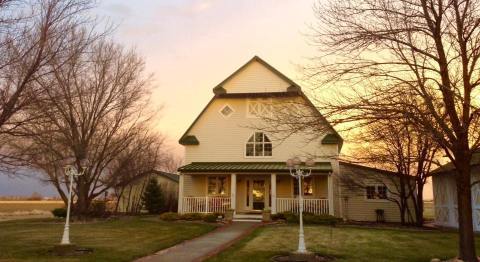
x: 226, y: 111
x: 259, y: 145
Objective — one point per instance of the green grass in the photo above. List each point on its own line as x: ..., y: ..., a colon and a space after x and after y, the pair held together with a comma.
x: 116, y: 240
x: 346, y: 244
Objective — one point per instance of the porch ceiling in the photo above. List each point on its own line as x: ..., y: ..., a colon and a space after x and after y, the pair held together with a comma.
x: 241, y: 167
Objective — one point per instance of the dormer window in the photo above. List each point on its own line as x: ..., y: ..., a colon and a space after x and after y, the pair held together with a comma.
x: 258, y: 145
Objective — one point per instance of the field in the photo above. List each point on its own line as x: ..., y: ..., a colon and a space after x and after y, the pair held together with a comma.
x: 428, y: 210
x: 113, y: 240
x: 27, y: 209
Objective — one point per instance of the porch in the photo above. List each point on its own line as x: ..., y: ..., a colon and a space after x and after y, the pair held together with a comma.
x: 251, y: 191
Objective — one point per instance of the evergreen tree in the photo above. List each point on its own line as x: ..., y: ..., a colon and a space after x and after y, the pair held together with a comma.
x: 152, y: 198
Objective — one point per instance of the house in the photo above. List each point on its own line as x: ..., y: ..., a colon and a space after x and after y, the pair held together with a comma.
x: 445, y: 194
x: 232, y: 164
x: 130, y: 196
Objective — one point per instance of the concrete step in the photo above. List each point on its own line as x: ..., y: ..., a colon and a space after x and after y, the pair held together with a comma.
x: 247, y: 216
x: 247, y: 220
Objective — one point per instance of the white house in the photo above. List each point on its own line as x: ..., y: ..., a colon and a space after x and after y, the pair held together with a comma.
x: 232, y: 165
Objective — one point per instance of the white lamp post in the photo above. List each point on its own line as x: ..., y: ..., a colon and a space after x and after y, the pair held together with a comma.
x: 299, y: 174
x: 71, y: 171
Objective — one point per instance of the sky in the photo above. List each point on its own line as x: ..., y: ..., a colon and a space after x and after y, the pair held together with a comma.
x: 192, y: 45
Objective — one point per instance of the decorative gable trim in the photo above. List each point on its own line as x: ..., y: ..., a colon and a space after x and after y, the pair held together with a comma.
x: 189, y: 140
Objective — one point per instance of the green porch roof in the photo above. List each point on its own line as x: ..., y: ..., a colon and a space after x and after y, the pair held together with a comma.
x: 239, y: 167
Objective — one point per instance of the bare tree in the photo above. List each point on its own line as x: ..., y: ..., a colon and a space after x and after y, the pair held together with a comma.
x: 95, y: 106
x: 414, y: 59
x: 31, y: 36
x: 399, y: 146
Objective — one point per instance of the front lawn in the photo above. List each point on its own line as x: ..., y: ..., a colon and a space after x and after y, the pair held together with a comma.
x: 346, y: 243
x: 116, y: 240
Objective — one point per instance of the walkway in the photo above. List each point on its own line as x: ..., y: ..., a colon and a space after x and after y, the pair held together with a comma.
x: 204, y: 246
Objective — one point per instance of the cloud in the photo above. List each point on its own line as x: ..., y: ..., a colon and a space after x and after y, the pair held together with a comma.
x: 187, y: 8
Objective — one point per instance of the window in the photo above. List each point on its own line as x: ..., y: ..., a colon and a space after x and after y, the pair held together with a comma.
x: 258, y: 108
x: 370, y: 192
x: 258, y: 145
x: 376, y: 192
x: 217, y: 185
x: 226, y: 111
x: 382, y: 192
x: 307, y: 186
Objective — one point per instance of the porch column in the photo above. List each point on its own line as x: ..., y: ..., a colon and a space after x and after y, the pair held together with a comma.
x: 273, y: 189
x: 180, y: 193
x: 233, y: 191
x: 330, y: 194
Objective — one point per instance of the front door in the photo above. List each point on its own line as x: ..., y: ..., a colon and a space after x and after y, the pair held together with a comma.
x: 258, y: 194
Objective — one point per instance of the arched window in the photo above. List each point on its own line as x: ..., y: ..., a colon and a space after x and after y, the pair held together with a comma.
x: 258, y: 145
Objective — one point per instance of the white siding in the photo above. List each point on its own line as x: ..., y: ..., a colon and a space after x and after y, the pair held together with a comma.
x: 445, y: 199
x: 223, y: 139
x: 255, y: 78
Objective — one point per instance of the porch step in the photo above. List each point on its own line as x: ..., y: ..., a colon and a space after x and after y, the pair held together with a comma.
x: 247, y: 218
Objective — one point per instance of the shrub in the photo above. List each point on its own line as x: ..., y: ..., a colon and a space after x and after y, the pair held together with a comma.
x: 210, y: 218
x: 152, y: 198
x: 309, y: 218
x: 98, y: 208
x: 169, y: 216
x: 219, y: 215
x: 192, y: 216
x: 59, y: 212
x: 278, y: 216
x: 290, y: 217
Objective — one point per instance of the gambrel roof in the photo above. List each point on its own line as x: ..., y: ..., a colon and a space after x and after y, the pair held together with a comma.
x: 285, y: 87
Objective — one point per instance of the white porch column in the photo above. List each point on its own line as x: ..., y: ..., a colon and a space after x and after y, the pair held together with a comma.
x: 180, y: 193
x: 330, y: 194
x: 273, y: 188
x: 233, y: 191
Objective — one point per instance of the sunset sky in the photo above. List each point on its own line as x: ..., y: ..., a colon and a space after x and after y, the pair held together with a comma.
x: 192, y: 45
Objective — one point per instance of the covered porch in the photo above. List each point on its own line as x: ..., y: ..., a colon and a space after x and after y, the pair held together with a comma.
x: 252, y: 187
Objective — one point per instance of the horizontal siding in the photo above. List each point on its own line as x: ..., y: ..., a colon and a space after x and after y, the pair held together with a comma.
x: 133, y: 193
x: 356, y: 207
x: 223, y: 139
x: 255, y: 78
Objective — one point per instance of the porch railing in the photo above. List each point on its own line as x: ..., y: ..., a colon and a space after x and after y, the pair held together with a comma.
x: 206, y: 204
x: 315, y: 206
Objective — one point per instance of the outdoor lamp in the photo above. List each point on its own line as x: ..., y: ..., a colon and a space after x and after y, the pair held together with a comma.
x: 296, y: 172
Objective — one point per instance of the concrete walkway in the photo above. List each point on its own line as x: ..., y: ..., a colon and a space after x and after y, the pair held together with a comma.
x: 200, y: 248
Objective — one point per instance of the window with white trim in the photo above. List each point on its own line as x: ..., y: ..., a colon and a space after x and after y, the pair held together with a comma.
x: 258, y: 145
x: 376, y: 192
x: 217, y: 185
